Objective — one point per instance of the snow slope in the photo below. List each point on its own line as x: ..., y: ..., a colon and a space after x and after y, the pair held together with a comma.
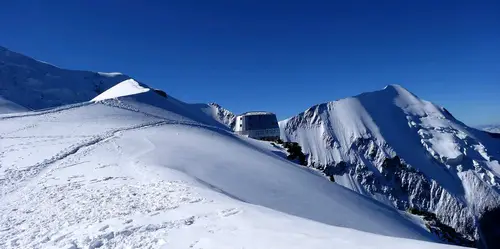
x: 124, y: 88
x: 10, y: 107
x: 37, y: 85
x: 442, y: 166
x: 145, y: 171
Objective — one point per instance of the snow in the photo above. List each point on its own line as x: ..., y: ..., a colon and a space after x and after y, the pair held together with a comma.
x: 104, y: 162
x: 495, y: 128
x: 124, y: 88
x: 112, y: 74
x: 145, y: 171
x: 38, y: 85
x: 366, y: 129
x: 7, y: 106
x: 256, y: 113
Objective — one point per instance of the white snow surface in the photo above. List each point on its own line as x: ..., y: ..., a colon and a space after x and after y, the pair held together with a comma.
x: 143, y: 171
x: 7, y: 106
x: 124, y: 88
x: 459, y: 164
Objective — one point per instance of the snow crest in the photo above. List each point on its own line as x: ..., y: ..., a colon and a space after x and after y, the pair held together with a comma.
x: 124, y: 88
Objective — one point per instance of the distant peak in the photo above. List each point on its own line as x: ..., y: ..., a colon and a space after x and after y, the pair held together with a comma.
x: 398, y: 89
x: 215, y: 105
x: 394, y: 87
x: 111, y: 74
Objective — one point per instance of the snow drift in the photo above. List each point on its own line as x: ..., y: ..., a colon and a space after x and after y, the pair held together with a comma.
x: 404, y: 151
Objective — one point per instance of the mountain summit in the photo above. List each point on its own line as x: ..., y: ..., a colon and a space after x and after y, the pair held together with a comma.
x: 403, y: 151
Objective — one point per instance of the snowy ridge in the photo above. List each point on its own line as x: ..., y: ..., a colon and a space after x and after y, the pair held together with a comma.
x: 222, y: 115
x: 37, y: 85
x: 124, y: 88
x: 442, y: 166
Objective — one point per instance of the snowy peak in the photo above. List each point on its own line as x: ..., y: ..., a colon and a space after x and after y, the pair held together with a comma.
x: 440, y: 165
x: 397, y: 88
x: 124, y: 88
x: 223, y: 115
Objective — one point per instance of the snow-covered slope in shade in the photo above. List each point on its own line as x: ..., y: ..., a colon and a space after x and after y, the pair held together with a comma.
x: 146, y: 171
x: 10, y: 107
x: 403, y: 151
x: 37, y: 85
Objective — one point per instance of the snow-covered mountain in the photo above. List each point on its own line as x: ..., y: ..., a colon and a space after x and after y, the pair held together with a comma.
x: 491, y: 128
x: 35, y: 85
x: 132, y: 168
x: 223, y: 115
x: 94, y: 160
x: 406, y: 152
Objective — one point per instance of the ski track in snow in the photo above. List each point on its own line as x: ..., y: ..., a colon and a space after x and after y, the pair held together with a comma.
x: 12, y: 178
x: 85, y: 205
x: 70, y: 200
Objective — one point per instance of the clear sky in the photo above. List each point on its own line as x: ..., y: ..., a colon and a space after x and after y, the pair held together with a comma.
x: 280, y: 56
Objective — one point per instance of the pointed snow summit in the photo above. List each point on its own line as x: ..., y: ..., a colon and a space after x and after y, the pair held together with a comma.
x: 404, y: 151
x: 122, y: 89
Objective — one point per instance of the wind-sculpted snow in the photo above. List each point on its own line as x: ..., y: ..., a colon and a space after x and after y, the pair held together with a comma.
x: 125, y: 173
x: 404, y: 151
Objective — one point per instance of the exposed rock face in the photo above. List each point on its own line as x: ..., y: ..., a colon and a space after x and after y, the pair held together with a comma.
x: 223, y: 115
x: 405, y: 152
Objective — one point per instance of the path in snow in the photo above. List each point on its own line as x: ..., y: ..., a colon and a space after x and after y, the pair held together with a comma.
x: 98, y: 176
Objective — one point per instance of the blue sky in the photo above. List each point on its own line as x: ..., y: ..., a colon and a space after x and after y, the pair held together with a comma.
x: 281, y: 56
